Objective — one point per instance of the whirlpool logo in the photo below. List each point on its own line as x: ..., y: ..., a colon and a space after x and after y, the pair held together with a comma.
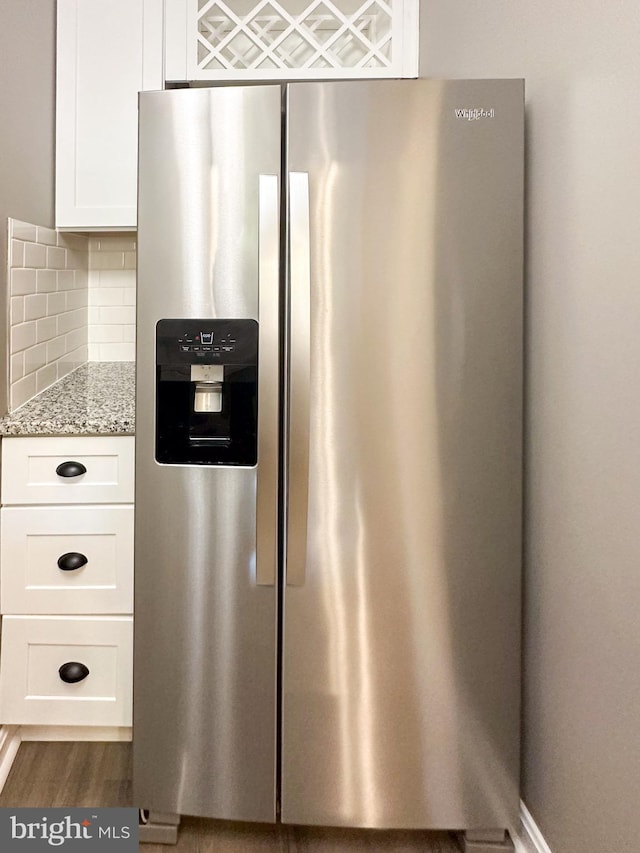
x: 475, y: 113
x: 70, y: 829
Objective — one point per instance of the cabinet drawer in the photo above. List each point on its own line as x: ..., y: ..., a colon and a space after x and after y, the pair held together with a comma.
x: 29, y: 474
x: 35, y: 648
x: 39, y: 547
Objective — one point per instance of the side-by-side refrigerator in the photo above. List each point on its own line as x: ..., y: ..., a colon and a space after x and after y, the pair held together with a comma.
x: 328, y: 453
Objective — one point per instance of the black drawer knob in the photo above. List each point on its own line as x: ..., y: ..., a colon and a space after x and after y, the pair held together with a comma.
x: 70, y: 469
x: 71, y: 561
x: 73, y: 672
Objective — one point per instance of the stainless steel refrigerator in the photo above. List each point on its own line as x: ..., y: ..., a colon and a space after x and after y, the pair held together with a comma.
x: 328, y: 455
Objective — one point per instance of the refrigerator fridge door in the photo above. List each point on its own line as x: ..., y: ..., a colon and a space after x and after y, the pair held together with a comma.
x: 206, y: 601
x: 401, y: 607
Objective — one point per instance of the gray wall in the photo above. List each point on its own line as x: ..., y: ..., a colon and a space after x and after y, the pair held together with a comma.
x: 27, y: 93
x: 581, y: 61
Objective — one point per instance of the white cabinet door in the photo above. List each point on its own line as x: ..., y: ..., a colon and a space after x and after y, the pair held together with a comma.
x: 107, y: 52
x: 60, y: 559
x: 37, y: 685
x: 67, y: 470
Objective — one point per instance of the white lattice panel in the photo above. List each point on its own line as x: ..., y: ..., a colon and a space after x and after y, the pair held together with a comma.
x: 283, y: 39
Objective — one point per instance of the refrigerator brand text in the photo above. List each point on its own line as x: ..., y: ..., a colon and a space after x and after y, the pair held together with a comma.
x: 475, y: 114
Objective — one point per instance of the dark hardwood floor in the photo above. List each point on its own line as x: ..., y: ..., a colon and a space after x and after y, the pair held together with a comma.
x: 69, y: 774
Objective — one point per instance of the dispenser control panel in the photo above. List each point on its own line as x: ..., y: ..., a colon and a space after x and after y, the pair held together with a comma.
x: 204, y: 342
x: 207, y: 341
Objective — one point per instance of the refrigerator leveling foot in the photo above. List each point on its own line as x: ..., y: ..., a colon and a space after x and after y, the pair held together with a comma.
x: 486, y: 841
x: 158, y: 828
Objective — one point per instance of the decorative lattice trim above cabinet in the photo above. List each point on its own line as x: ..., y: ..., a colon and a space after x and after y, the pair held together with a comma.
x: 290, y: 39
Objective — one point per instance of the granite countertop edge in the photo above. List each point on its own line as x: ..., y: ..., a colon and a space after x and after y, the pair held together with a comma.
x: 98, y: 398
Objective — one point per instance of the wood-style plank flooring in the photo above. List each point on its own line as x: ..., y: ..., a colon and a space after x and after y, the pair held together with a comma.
x: 99, y: 774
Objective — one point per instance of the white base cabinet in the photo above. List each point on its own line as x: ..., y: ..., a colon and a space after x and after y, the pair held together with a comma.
x: 30, y: 469
x: 38, y: 651
x: 66, y: 572
x: 66, y: 559
x: 107, y: 52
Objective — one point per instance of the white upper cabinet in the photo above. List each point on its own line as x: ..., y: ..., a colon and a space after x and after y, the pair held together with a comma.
x: 290, y: 39
x: 108, y: 51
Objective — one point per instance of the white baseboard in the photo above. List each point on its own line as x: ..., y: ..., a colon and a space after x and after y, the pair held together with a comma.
x: 532, y: 831
x: 9, y: 743
x: 77, y: 733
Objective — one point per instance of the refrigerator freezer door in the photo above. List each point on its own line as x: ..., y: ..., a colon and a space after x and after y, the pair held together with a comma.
x: 402, y: 628
x: 205, y: 599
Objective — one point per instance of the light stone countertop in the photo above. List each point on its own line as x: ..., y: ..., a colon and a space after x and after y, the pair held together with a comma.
x: 96, y: 399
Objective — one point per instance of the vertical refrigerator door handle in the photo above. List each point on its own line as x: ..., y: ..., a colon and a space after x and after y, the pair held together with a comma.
x: 268, y: 386
x: 299, y: 377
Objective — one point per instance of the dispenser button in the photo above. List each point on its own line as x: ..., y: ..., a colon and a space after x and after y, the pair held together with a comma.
x: 228, y: 349
x: 185, y: 348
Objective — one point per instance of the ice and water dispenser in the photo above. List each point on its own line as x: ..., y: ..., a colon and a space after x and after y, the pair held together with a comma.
x: 206, y: 392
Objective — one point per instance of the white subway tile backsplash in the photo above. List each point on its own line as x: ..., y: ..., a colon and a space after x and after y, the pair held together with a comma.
x: 121, y: 314
x: 56, y: 303
x: 75, y: 339
x: 72, y: 298
x: 108, y: 334
x: 22, y: 336
x: 22, y: 230
x: 56, y: 348
x: 47, y: 281
x: 71, y: 320
x: 107, y: 260
x: 45, y: 295
x: 67, y: 279
x: 17, y: 253
x: 77, y: 299
x: 74, y: 259
x: 46, y: 329
x: 117, y: 352
x: 22, y: 390
x: 46, y: 376
x: 35, y: 306
x: 17, y: 310
x: 73, y: 242
x: 72, y: 360
x: 17, y: 366
x: 23, y: 282
x: 103, y: 296
x: 35, y: 255
x: 114, y: 278
x: 47, y: 236
x: 35, y: 358
x: 56, y: 258
x: 112, y: 297
x: 112, y: 243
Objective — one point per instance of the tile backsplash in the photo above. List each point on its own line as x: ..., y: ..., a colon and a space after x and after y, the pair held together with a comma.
x: 112, y: 297
x: 48, y: 287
